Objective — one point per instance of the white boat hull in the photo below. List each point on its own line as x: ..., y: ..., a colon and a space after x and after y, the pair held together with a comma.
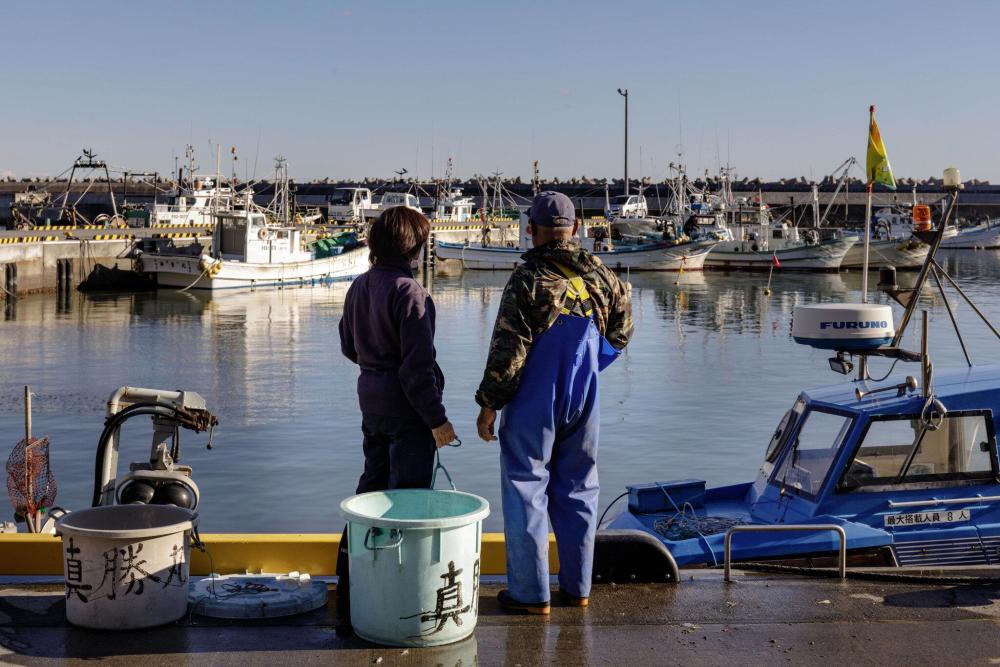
x: 826, y: 256
x: 974, y: 238
x: 900, y: 254
x: 183, y: 271
x: 653, y: 257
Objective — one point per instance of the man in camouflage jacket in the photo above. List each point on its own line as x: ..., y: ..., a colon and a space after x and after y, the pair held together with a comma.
x: 563, y: 317
x: 530, y: 304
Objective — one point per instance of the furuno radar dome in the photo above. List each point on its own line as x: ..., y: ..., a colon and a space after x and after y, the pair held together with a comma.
x: 846, y: 327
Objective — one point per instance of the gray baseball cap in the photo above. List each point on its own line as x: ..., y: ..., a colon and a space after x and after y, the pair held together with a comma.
x: 552, y: 209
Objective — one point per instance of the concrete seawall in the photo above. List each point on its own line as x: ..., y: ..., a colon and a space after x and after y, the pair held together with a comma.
x: 49, y: 262
x: 49, y: 265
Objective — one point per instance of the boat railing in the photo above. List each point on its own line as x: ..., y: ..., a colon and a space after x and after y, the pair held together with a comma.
x: 782, y: 528
x: 943, y: 501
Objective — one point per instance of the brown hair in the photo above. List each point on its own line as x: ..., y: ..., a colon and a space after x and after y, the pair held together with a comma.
x: 397, y: 235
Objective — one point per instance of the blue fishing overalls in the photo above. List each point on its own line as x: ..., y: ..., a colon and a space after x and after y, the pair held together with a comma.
x: 548, y: 447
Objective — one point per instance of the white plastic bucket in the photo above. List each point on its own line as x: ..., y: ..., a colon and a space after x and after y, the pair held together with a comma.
x: 414, y: 559
x: 126, y: 566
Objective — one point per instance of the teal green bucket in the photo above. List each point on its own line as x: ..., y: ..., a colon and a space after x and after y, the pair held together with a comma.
x: 414, y: 558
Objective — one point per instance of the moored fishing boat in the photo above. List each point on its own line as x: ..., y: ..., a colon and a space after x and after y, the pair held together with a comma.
x: 901, y: 254
x: 756, y: 253
x: 653, y: 256
x: 671, y: 253
x: 888, y: 472
x: 759, y: 243
x: 249, y: 252
x: 980, y: 237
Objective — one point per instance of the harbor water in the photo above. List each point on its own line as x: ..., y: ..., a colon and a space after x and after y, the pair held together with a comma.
x: 711, y: 369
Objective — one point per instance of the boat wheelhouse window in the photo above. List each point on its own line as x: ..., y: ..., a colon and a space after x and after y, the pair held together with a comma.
x: 806, y: 465
x: 776, y: 234
x: 900, y: 451
x: 785, y: 427
x: 233, y: 235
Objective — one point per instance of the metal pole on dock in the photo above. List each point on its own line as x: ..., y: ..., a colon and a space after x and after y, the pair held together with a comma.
x: 27, y: 413
x: 624, y: 93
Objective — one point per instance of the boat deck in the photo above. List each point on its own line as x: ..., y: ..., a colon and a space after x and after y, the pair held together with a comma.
x: 757, y: 619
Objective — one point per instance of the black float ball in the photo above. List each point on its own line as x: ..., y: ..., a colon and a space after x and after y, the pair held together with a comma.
x: 137, y: 493
x: 173, y: 493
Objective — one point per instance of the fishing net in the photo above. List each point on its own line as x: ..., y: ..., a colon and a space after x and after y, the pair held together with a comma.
x: 30, y: 483
x: 682, y: 526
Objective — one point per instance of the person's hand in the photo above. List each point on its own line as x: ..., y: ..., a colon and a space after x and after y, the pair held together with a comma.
x: 444, y: 434
x: 484, y: 423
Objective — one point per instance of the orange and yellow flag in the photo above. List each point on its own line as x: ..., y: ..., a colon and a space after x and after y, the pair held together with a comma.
x: 877, y: 169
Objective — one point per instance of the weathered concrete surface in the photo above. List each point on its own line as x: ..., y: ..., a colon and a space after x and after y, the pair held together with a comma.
x: 701, y: 622
x: 38, y: 263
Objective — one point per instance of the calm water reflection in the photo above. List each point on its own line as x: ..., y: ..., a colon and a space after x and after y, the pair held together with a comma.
x: 710, y: 372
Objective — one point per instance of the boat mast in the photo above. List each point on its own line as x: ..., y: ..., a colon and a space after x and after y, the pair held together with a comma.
x: 218, y: 176
x: 815, y: 205
x: 189, y: 153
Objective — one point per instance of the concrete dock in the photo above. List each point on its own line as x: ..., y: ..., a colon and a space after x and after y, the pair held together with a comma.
x: 759, y: 619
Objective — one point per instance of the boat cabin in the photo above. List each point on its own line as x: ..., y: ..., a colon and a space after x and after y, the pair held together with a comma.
x: 247, y: 237
x: 909, y: 483
x: 195, y: 206
x: 454, y: 207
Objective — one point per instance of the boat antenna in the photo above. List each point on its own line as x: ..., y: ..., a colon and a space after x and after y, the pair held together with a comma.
x: 256, y: 154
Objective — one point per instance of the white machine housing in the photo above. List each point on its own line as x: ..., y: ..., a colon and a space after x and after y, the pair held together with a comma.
x: 847, y: 327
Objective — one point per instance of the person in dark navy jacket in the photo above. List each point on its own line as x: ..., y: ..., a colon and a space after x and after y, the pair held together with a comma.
x: 388, y: 330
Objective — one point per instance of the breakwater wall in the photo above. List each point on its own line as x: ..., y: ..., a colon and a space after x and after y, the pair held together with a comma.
x: 978, y: 200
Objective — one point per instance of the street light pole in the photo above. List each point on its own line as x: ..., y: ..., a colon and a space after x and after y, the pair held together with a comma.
x: 624, y: 93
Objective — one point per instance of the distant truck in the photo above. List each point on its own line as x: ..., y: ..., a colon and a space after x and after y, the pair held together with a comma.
x: 350, y: 205
x: 626, y: 206
x: 357, y: 204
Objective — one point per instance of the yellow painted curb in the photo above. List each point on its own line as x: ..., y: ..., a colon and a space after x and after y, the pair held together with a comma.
x: 24, y: 554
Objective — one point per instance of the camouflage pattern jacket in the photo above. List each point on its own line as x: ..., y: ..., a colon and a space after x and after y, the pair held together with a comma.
x: 531, y: 302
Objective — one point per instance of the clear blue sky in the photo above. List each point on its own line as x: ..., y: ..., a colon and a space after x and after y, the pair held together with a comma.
x: 348, y: 89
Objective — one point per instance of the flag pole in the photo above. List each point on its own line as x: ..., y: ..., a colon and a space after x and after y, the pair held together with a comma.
x: 868, y: 216
x: 868, y: 223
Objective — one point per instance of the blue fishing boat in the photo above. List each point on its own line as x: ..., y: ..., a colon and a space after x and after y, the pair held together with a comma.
x: 904, y: 471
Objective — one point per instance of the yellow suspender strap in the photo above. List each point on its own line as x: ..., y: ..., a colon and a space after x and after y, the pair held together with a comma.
x: 575, y: 291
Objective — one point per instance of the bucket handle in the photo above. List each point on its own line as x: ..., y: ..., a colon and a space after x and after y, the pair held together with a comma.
x: 394, y: 533
x: 440, y: 466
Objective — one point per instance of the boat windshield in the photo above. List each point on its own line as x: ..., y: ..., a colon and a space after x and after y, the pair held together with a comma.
x: 341, y: 197
x: 806, y: 465
x: 785, y: 427
x: 898, y: 450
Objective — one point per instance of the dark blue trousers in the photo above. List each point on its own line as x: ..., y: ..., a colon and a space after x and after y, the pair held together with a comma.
x: 399, y: 454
